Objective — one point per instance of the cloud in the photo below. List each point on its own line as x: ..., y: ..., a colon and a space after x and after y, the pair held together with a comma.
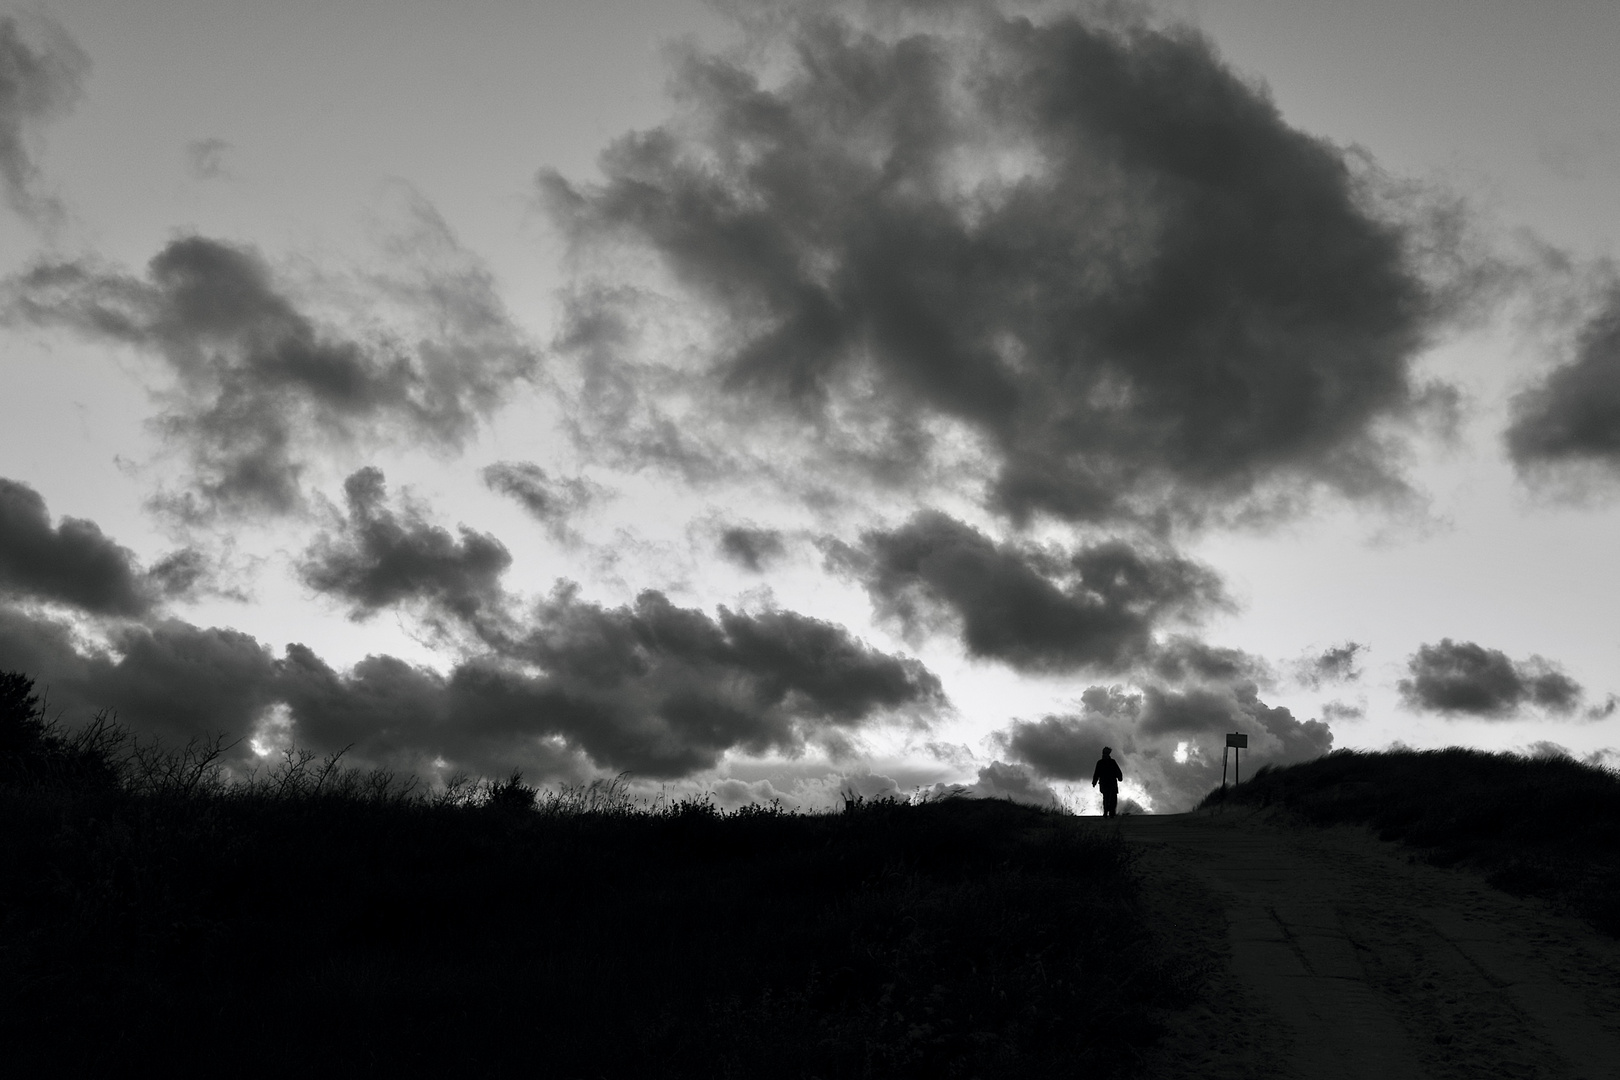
x: 40, y: 80
x: 650, y: 688
x: 1330, y: 666
x: 750, y: 547
x: 189, y: 573
x: 999, y: 780
x: 1183, y: 659
x: 1604, y: 758
x: 1572, y: 415
x: 1031, y: 608
x: 731, y: 792
x: 1334, y: 711
x: 1084, y: 246
x: 73, y: 563
x: 205, y: 158
x: 553, y: 501
x: 1169, y: 742
x: 664, y: 691
x: 1462, y: 678
x: 170, y: 679
x: 257, y: 384
x: 381, y: 556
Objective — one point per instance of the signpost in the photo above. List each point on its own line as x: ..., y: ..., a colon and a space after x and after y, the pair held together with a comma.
x: 1237, y: 742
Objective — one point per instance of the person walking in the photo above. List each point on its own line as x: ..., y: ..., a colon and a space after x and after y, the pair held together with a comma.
x: 1107, y: 775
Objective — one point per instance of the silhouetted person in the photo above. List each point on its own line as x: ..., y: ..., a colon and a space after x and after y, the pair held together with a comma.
x: 1107, y: 776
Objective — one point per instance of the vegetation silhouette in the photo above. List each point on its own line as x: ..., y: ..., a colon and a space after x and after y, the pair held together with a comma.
x: 1543, y: 826
x: 320, y: 919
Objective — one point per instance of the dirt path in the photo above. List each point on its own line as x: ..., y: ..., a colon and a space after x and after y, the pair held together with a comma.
x: 1346, y: 958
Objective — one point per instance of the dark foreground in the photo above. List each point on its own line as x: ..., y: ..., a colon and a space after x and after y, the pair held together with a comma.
x: 154, y: 918
x: 323, y: 921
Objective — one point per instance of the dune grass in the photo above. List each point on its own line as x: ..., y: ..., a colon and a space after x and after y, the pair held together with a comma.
x: 324, y: 920
x: 1547, y: 827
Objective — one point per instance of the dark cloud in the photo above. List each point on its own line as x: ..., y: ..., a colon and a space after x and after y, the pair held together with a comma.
x: 170, y: 679
x: 256, y: 380
x: 73, y: 563
x: 1206, y: 713
x: 553, y: 501
x: 1572, y: 415
x: 382, y: 556
x: 650, y: 688
x: 181, y: 573
x: 1169, y: 742
x: 205, y: 158
x: 751, y: 548
x: 1462, y: 678
x: 1085, y: 241
x: 663, y: 690
x: 1019, y: 783
x: 1182, y: 659
x: 1330, y: 666
x: 1063, y: 747
x: 189, y: 573
x: 1340, y: 710
x: 1034, y: 609
x: 40, y: 79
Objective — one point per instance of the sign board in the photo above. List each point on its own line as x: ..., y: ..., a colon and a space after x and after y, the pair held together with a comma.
x: 1239, y: 740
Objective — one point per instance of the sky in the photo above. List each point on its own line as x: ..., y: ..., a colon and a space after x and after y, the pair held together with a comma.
x: 785, y: 399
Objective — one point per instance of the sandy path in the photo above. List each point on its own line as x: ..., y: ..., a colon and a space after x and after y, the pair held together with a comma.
x: 1345, y: 958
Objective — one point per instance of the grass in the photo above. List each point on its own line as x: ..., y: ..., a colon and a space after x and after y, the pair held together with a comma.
x: 317, y: 919
x: 1547, y: 827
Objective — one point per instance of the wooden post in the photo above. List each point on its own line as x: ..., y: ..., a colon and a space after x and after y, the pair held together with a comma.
x: 1237, y: 741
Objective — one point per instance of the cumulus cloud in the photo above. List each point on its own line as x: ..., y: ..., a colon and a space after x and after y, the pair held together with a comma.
x: 1083, y: 244
x: 731, y: 792
x: 382, y: 556
x: 256, y: 383
x: 1571, y: 416
x: 750, y: 547
x: 1031, y: 608
x: 1167, y: 741
x: 73, y: 562
x: 999, y: 780
x: 649, y: 688
x: 552, y: 500
x: 664, y: 690
x: 169, y: 679
x: 1460, y: 678
x: 42, y: 73
x: 1182, y: 659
